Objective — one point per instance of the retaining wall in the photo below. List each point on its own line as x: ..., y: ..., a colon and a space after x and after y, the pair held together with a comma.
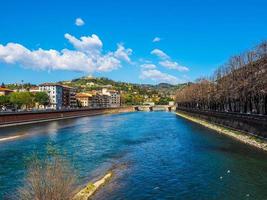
x: 252, y: 124
x: 15, y: 118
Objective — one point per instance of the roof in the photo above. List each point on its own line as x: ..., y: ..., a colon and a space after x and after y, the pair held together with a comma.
x: 50, y: 84
x: 34, y: 88
x: 66, y: 86
x: 84, y: 95
x: 5, y: 89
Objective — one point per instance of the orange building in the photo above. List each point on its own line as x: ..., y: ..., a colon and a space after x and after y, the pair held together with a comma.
x: 4, y: 91
x: 84, y: 99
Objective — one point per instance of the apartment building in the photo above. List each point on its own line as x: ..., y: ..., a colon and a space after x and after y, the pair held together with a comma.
x: 61, y: 96
x: 84, y: 99
x: 100, y: 101
x: 55, y: 93
x: 114, y: 97
x: 68, y: 97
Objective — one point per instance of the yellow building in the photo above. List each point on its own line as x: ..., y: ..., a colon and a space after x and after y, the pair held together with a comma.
x: 4, y: 91
x: 84, y: 99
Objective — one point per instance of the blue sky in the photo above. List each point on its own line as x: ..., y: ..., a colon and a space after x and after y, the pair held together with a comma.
x: 40, y: 42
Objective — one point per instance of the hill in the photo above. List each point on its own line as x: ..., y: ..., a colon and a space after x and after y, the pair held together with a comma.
x: 93, y: 83
x: 132, y: 93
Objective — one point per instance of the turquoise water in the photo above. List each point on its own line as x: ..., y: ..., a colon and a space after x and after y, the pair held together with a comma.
x: 157, y: 155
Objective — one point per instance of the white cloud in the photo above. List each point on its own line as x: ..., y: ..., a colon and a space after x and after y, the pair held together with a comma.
x: 148, y: 66
x: 122, y: 53
x: 160, y: 54
x: 86, y: 57
x: 158, y: 76
x: 156, y: 39
x: 89, y: 44
x: 173, y: 65
x: 166, y: 61
x: 79, y: 22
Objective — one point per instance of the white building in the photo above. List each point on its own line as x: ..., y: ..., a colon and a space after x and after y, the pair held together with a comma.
x: 114, y: 98
x: 55, y: 93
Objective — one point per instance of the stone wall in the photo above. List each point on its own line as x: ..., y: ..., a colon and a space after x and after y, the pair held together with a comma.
x: 32, y: 117
x: 252, y: 124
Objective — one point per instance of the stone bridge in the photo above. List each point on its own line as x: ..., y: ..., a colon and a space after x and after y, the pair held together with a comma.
x: 155, y: 108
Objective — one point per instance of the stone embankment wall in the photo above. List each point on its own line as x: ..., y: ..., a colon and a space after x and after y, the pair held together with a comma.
x: 9, y: 119
x: 252, y: 124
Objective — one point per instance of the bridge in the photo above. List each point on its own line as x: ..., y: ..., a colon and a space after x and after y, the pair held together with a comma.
x: 155, y: 108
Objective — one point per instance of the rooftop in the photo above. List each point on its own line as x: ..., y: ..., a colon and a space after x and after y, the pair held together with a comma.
x: 50, y: 84
x: 84, y: 95
x: 5, y: 89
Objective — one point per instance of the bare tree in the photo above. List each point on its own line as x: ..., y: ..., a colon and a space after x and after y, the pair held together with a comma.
x: 240, y: 85
x: 48, y: 179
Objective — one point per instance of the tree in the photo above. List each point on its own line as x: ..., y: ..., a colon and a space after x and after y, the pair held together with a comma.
x: 50, y: 177
x: 4, y: 100
x: 164, y: 101
x: 20, y: 99
x: 240, y: 85
x: 41, y: 98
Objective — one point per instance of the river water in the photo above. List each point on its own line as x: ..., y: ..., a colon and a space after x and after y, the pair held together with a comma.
x: 156, y: 155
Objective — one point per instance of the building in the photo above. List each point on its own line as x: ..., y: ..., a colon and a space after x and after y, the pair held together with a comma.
x: 114, y: 97
x: 100, y: 101
x: 5, y: 91
x: 91, y: 84
x: 69, y: 97
x: 55, y: 93
x: 171, y: 103
x: 34, y: 90
x: 85, y: 99
x: 73, y: 100
x: 149, y: 103
x: 61, y: 96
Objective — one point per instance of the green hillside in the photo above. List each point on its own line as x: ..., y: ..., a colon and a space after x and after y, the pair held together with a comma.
x: 131, y: 93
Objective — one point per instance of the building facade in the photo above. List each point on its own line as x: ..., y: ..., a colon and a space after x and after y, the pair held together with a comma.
x: 84, y: 99
x: 113, y: 96
x: 100, y: 101
x: 55, y: 93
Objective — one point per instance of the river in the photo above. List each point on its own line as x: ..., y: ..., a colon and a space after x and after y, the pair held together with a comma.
x: 158, y: 155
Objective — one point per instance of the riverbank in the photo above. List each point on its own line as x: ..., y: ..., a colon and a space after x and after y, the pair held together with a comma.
x: 91, y: 188
x: 239, y: 135
x: 15, y: 119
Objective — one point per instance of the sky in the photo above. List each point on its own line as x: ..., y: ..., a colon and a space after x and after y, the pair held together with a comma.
x: 141, y: 41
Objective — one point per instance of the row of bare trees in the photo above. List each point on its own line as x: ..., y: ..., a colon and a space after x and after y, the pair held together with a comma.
x: 240, y: 86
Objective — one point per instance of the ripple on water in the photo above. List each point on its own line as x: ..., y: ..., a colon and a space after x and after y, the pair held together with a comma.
x: 166, y: 157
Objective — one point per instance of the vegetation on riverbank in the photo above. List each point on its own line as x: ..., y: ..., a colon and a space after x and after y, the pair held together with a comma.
x: 91, y: 188
x: 248, y: 139
x: 24, y: 99
x: 50, y: 178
